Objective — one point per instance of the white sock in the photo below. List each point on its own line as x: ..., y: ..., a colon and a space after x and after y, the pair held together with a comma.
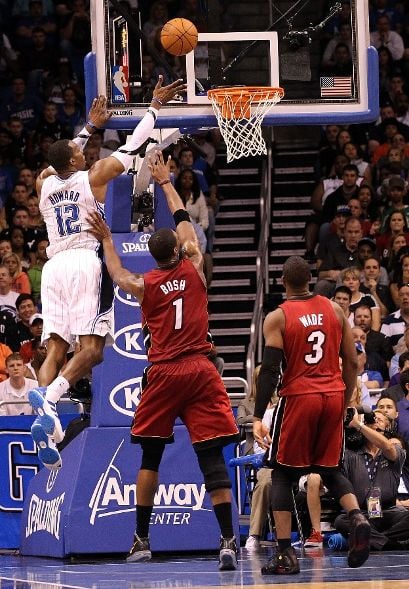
x: 57, y: 389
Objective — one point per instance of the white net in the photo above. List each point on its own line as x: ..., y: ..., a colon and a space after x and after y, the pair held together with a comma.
x: 239, y: 115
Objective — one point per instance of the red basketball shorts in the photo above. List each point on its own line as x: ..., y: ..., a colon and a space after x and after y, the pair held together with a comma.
x: 307, y: 430
x: 191, y: 389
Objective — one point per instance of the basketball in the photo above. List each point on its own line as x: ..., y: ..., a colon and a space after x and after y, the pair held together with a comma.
x: 179, y: 36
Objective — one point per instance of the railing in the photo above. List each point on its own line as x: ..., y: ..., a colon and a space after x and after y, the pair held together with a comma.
x: 256, y: 332
x: 234, y: 382
x: 62, y: 400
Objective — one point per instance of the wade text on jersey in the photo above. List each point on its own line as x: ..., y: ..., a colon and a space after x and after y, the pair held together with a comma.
x: 311, y: 319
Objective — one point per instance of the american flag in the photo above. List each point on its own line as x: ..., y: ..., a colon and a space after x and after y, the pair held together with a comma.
x: 341, y: 86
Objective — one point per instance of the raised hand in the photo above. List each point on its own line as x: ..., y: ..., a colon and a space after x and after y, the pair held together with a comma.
x: 162, y: 95
x: 98, y: 114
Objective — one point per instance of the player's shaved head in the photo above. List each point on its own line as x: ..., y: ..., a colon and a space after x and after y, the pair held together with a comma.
x: 59, y: 155
x: 162, y: 244
x: 296, y: 272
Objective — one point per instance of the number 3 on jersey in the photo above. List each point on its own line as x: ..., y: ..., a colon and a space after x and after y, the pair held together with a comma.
x: 317, y: 339
x: 67, y: 217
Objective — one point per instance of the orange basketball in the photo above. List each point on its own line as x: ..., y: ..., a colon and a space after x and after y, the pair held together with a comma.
x: 178, y: 36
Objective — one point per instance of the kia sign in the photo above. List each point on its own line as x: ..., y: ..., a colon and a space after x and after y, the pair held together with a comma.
x: 128, y: 342
x: 125, y: 397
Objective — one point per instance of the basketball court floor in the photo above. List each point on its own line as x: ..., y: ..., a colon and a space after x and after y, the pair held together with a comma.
x: 320, y: 569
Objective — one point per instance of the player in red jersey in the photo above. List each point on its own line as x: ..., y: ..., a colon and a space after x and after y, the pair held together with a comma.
x: 309, y: 333
x: 181, y: 381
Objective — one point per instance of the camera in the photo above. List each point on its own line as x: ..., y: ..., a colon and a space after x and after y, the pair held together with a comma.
x: 142, y: 209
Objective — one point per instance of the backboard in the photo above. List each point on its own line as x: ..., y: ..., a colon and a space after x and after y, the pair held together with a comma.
x: 317, y: 50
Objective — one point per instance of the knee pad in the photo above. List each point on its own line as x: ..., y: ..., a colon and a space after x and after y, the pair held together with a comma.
x: 337, y: 484
x: 151, y: 455
x: 213, y: 467
x: 281, y: 496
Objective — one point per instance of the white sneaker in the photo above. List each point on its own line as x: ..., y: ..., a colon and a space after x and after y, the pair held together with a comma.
x: 252, y: 544
x: 47, y: 411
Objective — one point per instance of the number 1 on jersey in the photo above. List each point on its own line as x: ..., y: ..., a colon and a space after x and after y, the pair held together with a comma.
x: 178, y: 304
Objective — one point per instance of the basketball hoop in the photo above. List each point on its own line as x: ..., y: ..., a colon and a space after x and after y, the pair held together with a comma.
x: 240, y: 112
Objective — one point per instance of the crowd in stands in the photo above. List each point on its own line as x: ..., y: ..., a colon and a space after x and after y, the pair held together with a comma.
x: 42, y: 99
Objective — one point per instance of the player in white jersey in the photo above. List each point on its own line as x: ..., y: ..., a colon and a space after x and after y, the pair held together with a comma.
x: 74, y: 281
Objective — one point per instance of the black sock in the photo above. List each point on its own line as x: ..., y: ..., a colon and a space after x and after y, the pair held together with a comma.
x: 143, y: 516
x: 353, y: 512
x: 222, y: 512
x: 283, y: 544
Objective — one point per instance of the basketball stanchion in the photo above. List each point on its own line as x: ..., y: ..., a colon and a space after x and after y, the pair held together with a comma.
x: 240, y: 112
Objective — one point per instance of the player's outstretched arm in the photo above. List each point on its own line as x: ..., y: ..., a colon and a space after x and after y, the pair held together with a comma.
x: 128, y: 281
x: 184, y: 228
x: 98, y: 115
x: 108, y: 168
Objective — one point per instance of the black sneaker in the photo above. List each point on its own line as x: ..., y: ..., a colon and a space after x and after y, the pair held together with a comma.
x: 360, y: 532
x: 282, y: 563
x: 228, y: 554
x: 140, y: 551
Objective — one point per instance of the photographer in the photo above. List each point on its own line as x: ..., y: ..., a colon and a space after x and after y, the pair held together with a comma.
x: 374, y: 470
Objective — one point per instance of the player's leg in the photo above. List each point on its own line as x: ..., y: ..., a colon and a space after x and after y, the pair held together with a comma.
x: 46, y: 429
x: 218, y: 485
x: 146, y: 487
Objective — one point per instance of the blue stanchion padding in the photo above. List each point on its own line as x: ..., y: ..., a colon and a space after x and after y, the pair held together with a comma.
x: 118, y: 203
x: 116, y: 382
x: 255, y: 460
x: 19, y: 464
x: 163, y: 216
x: 89, y: 505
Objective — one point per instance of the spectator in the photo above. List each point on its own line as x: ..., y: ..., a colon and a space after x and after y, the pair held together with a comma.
x: 376, y: 341
x: 35, y: 270
x: 393, y: 325
x: 22, y: 105
x: 25, y: 309
x: 17, y: 198
x: 261, y: 496
x: 402, y: 346
x: 16, y: 388
x: 245, y: 412
x: 76, y: 37
x: 5, y: 352
x: 5, y: 248
x: 70, y: 113
x: 396, y: 390
x: 20, y: 281
x: 37, y: 60
x: 19, y: 245
x: 342, y: 296
x: 371, y: 285
x: 403, y: 407
x: 356, y: 157
x: 400, y: 276
x: 350, y: 277
x: 374, y: 363
x: 36, y: 327
x: 395, y: 224
x: 341, y: 196
x: 338, y: 258
x: 396, y: 194
x: 328, y: 152
x: 383, y: 36
x: 39, y: 355
x: 8, y: 296
x: 378, y: 463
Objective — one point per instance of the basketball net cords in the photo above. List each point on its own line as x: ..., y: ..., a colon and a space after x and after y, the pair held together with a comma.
x: 243, y: 136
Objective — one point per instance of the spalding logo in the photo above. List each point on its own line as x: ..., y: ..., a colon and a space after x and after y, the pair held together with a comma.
x: 125, y: 297
x: 128, y: 342
x: 125, y: 397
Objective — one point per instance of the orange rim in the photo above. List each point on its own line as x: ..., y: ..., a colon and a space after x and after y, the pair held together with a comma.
x: 256, y: 93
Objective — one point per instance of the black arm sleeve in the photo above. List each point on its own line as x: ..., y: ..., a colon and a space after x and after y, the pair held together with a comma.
x: 268, y: 379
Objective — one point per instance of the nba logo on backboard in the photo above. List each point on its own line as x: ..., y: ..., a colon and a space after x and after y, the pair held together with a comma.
x: 120, y: 84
